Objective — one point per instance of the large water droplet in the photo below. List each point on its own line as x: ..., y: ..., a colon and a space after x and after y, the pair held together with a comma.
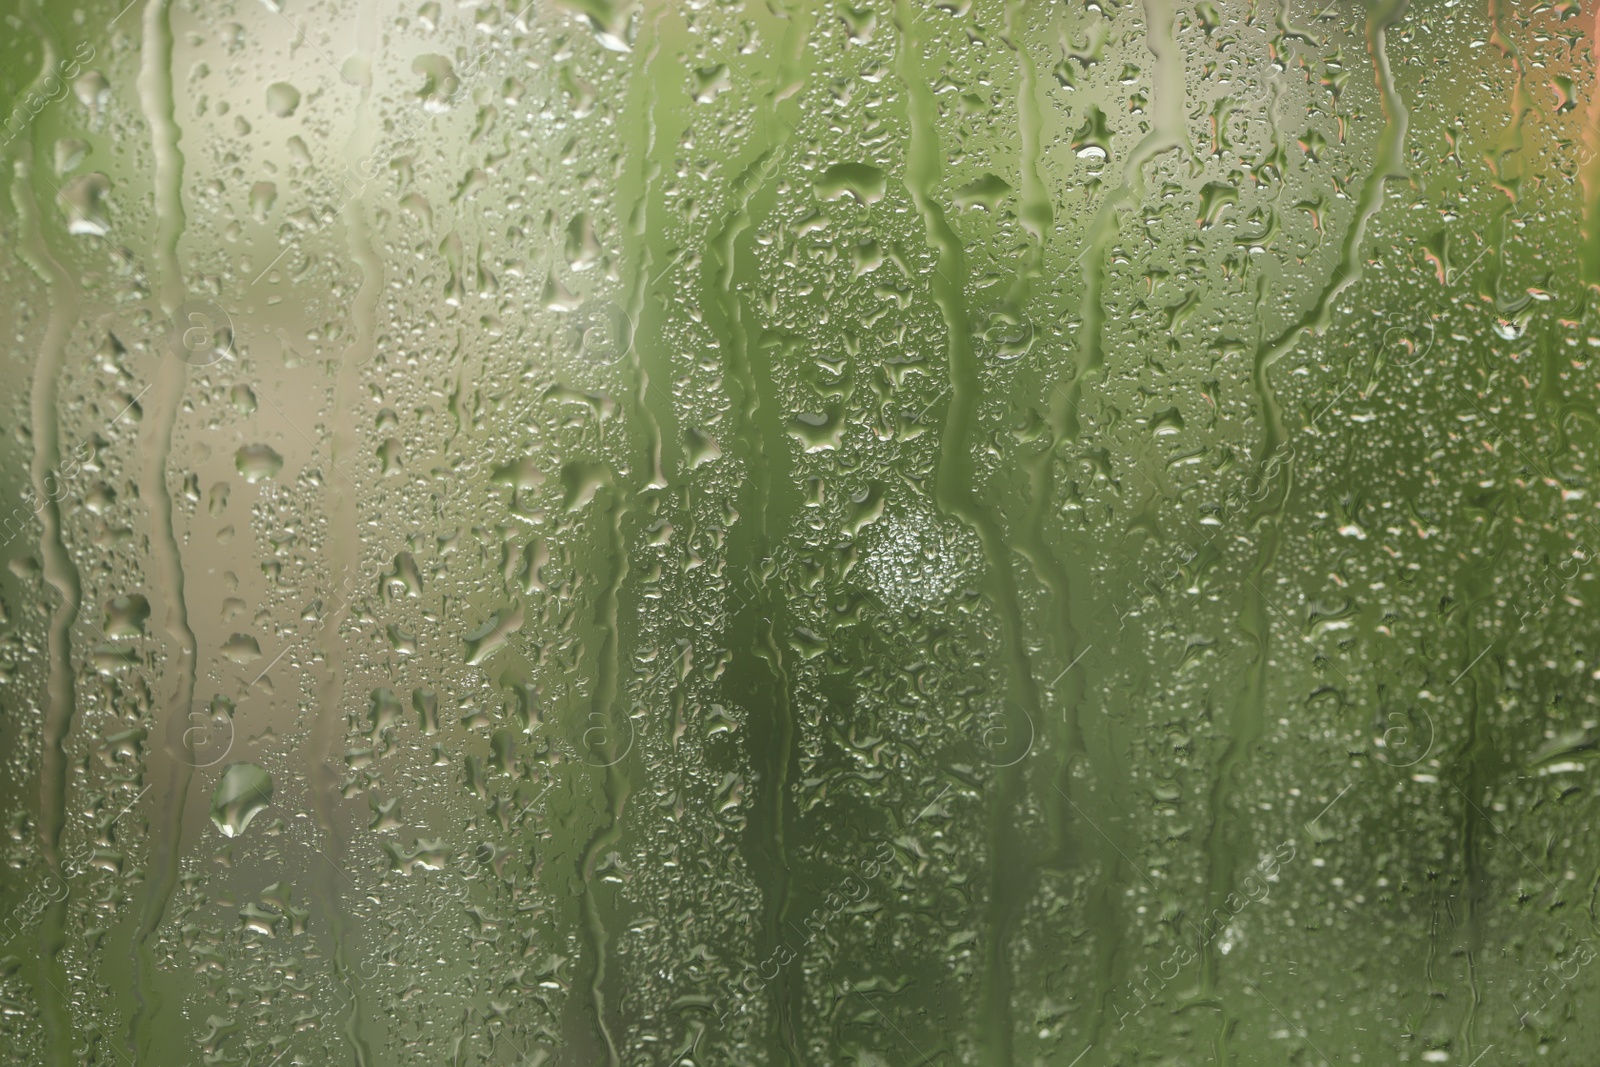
x: 83, y: 201
x: 862, y: 181
x: 241, y: 648
x: 125, y: 616
x: 282, y: 99
x: 493, y: 634
x: 256, y: 462
x: 243, y: 791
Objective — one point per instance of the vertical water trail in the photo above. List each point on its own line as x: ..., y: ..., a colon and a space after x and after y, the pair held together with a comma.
x: 1478, y: 765
x: 344, y: 545
x: 613, y: 749
x: 648, y: 408
x: 637, y: 131
x: 1103, y: 911
x: 60, y: 573
x: 1388, y: 163
x: 1225, y: 849
x: 1589, y: 254
x: 161, y: 416
x: 638, y: 128
x: 766, y: 506
x: 1037, y: 215
x: 1037, y: 218
x: 652, y: 127
x: 1011, y: 874
x: 1476, y: 761
x: 767, y: 501
x: 1168, y: 132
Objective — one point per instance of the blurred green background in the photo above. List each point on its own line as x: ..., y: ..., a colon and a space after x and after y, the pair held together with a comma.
x: 713, y: 532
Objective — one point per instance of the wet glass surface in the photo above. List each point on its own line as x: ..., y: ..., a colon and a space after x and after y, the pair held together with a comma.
x: 700, y: 532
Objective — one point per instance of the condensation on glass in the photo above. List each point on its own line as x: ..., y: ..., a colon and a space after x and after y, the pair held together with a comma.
x: 705, y: 532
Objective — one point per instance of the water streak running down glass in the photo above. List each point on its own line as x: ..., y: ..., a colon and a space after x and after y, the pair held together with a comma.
x: 697, y: 532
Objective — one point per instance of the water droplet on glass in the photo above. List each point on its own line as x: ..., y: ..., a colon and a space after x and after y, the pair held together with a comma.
x: 242, y: 792
x: 257, y: 462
